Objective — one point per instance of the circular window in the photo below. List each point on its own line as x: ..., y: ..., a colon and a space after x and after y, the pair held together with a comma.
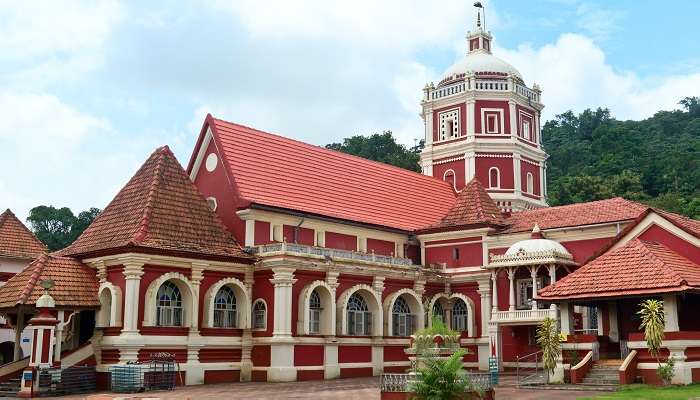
x: 212, y: 161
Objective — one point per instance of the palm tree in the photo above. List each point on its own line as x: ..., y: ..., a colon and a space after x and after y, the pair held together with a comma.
x: 550, y: 344
x: 653, y: 323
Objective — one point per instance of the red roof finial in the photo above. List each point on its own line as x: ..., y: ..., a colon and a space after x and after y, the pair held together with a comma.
x: 536, y: 232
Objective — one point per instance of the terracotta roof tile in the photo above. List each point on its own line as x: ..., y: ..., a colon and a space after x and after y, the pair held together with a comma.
x: 75, y: 284
x: 591, y: 213
x: 275, y: 171
x: 687, y: 224
x: 473, y: 207
x: 16, y: 240
x: 638, y: 267
x: 159, y: 208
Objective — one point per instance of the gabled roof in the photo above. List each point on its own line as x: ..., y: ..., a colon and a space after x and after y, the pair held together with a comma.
x: 594, y: 212
x: 159, y: 210
x: 75, y: 284
x: 473, y: 208
x: 275, y: 171
x: 687, y: 224
x: 16, y: 240
x: 637, y: 268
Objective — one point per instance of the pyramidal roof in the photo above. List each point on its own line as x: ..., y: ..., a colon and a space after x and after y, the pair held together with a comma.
x: 638, y: 267
x: 75, y: 284
x: 158, y: 211
x: 16, y: 240
x: 474, y: 207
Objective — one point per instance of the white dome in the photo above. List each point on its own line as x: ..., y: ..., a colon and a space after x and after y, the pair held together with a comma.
x: 481, y: 62
x: 536, y: 245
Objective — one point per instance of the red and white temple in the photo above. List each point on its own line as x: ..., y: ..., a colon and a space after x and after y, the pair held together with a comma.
x: 269, y: 259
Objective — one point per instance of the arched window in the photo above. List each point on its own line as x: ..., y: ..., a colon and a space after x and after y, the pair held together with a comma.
x: 259, y: 315
x: 449, y: 177
x: 359, y: 316
x: 225, y: 308
x: 169, y: 308
x: 439, y: 311
x: 494, y: 178
x: 315, y: 312
x: 402, y: 319
x: 530, y: 183
x: 459, y: 315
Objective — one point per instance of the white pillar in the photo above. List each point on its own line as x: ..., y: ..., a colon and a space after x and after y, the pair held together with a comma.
x: 552, y: 279
x: 470, y: 163
x: 671, y: 313
x: 19, y: 327
x: 496, y: 343
x: 566, y: 315
x: 471, y: 118
x: 533, y: 275
x: 511, y: 294
x: 283, y: 279
x: 196, y: 279
x: 133, y: 270
x: 249, y: 233
x: 516, y: 174
x: 485, y: 293
x: 599, y: 315
x: 513, y: 118
x: 494, y: 291
x: 331, y: 368
x: 614, y: 333
x: 60, y: 316
x: 428, y: 127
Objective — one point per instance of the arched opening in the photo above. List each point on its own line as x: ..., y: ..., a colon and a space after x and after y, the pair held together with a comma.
x: 438, y: 311
x: 359, y: 312
x: 456, y: 311
x: 530, y: 183
x: 7, y: 351
x: 259, y: 314
x: 449, y: 177
x: 169, y: 307
x: 104, y: 315
x: 359, y: 316
x: 403, y: 321
x: 459, y: 315
x: 225, y: 312
x: 315, y: 312
x: 494, y: 178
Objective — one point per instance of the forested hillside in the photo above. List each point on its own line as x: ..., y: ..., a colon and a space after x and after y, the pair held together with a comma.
x: 657, y: 160
x: 594, y: 156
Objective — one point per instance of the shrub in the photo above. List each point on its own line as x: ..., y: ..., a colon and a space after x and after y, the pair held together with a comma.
x: 665, y: 371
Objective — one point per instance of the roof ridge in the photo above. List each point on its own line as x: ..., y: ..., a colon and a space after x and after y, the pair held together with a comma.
x: 8, y: 214
x: 142, y: 231
x: 645, y: 244
x: 331, y: 151
x: 36, y: 273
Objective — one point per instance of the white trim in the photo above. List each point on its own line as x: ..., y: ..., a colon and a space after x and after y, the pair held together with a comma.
x: 471, y: 327
x: 252, y: 318
x: 498, y: 178
x: 189, y: 302
x: 415, y: 303
x: 530, y: 183
x: 112, y: 316
x: 454, y: 181
x: 208, y: 136
x: 484, y: 125
x: 655, y: 219
x: 373, y: 300
x: 328, y: 312
x: 243, y: 305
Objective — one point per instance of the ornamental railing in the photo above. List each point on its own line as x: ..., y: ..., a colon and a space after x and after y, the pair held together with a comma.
x: 323, y: 252
x: 530, y: 257
x: 402, y: 382
x: 522, y: 315
x: 527, y: 93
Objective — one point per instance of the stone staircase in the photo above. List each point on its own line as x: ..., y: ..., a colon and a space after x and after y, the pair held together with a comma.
x: 604, y: 373
x: 10, y: 387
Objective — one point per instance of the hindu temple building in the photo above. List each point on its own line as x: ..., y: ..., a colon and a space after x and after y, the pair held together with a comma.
x: 268, y: 259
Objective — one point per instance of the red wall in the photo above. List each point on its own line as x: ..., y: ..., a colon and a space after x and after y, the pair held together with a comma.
x: 341, y: 241
x: 582, y: 250
x: 673, y: 242
x: 470, y: 254
x: 463, y: 122
x: 308, y: 355
x: 262, y: 288
x: 262, y: 232
x: 215, y: 184
x: 505, y: 166
x: 382, y: 247
x: 305, y: 235
x: 526, y: 167
x: 354, y: 354
x: 457, y: 166
x: 503, y: 105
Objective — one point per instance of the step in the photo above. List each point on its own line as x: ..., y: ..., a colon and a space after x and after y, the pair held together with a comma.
x: 601, y: 381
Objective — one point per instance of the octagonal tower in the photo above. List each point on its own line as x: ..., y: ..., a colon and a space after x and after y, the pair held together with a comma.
x: 483, y: 121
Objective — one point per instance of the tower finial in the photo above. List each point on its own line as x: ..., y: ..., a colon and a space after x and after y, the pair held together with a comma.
x: 478, y: 15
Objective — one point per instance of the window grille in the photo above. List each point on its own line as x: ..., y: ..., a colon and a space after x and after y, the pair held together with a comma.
x: 169, y: 307
x: 225, y: 308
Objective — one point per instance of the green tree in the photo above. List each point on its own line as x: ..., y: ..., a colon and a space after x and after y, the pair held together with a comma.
x: 653, y: 322
x: 59, y: 227
x: 549, y: 342
x: 381, y: 147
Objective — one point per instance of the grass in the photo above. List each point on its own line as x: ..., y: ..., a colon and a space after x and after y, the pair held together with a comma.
x: 645, y: 392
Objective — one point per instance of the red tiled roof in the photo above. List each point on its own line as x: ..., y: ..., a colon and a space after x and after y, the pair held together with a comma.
x: 639, y: 267
x: 75, y: 284
x: 687, y: 224
x: 16, y: 240
x: 159, y: 208
x: 591, y: 213
x: 474, y: 207
x: 275, y: 171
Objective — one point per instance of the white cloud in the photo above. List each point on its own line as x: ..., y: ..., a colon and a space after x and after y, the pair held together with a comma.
x: 574, y: 74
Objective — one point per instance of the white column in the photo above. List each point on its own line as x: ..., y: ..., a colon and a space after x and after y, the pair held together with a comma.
x: 513, y: 118
x: 614, y: 333
x: 544, y: 181
x: 471, y: 118
x: 496, y: 343
x: 250, y: 232
x: 196, y: 279
x: 511, y: 293
x: 60, y: 315
x: 19, y: 327
x: 428, y: 128
x: 470, y: 164
x: 331, y: 368
x: 133, y: 270
x: 494, y: 291
x: 282, y: 350
x: 566, y: 314
x: 485, y: 293
x: 283, y: 279
x: 516, y: 174
x: 599, y: 315
x: 671, y: 313
x: 533, y: 275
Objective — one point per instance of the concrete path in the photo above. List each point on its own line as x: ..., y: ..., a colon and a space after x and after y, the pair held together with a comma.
x: 350, y: 389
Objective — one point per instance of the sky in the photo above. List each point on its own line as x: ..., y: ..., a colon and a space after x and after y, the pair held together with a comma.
x: 89, y: 89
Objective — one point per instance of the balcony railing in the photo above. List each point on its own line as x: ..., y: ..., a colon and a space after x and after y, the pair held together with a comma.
x: 323, y: 252
x: 522, y: 315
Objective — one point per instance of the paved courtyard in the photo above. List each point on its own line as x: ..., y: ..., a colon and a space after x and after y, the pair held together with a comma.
x: 361, y: 389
